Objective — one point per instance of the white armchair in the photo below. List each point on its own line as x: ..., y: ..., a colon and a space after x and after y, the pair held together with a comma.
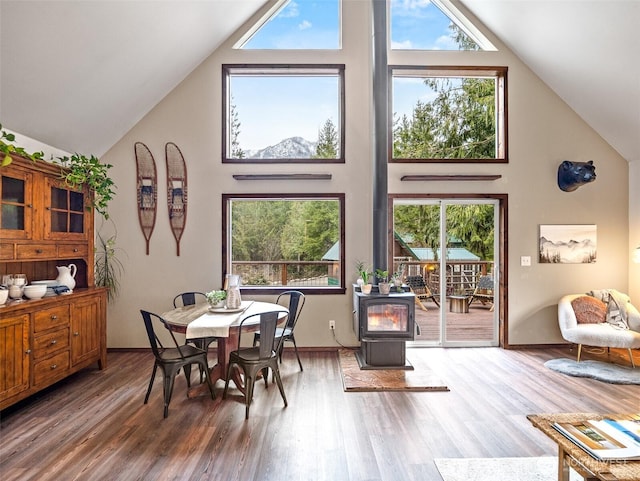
x: 600, y: 334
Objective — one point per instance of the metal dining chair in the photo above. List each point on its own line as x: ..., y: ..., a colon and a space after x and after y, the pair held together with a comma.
x: 259, y: 358
x: 295, y: 301
x: 171, y: 359
x: 190, y: 298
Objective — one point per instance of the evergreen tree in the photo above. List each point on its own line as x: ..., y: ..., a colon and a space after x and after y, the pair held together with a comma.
x: 459, y: 123
x: 327, y: 147
x: 236, y: 150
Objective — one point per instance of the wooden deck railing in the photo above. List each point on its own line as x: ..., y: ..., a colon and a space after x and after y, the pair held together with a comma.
x: 461, y: 276
x: 287, y: 273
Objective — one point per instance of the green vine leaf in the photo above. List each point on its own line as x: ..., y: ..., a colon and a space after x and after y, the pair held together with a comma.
x: 89, y: 171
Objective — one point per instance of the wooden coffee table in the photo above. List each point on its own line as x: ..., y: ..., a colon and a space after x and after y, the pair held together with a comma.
x: 574, y: 457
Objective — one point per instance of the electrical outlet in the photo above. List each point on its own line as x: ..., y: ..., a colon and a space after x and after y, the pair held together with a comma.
x: 525, y: 261
x: 332, y: 325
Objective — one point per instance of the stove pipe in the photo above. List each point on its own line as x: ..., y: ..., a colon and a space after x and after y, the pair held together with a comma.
x: 380, y: 134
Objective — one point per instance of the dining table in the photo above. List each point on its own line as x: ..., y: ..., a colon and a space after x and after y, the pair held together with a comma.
x: 199, y: 321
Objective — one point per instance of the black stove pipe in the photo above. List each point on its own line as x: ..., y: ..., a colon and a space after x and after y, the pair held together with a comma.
x: 380, y: 134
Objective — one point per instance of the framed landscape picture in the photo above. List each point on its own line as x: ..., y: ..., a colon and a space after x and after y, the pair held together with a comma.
x: 567, y: 244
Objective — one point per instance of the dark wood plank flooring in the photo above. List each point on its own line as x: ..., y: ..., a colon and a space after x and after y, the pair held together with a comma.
x: 94, y: 426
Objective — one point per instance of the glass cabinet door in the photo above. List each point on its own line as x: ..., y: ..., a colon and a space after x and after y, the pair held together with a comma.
x: 16, y: 205
x: 66, y: 215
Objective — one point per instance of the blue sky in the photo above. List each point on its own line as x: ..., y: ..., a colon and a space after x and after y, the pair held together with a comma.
x: 299, y: 107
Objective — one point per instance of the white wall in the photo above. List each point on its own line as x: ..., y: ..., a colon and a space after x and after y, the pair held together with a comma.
x: 634, y: 229
x: 543, y: 131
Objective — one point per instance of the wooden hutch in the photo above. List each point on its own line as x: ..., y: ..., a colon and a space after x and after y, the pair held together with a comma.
x: 44, y: 224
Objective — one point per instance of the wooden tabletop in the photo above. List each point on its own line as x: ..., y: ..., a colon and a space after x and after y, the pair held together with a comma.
x: 614, y: 471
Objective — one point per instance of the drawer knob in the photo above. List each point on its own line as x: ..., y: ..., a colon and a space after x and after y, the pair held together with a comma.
x: 76, y: 333
x: 28, y: 351
x: 53, y: 366
x: 54, y: 341
x: 53, y: 317
x: 75, y: 249
x: 38, y: 251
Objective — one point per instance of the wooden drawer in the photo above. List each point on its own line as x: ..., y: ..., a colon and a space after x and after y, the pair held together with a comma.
x: 50, y: 342
x: 51, y: 369
x: 49, y: 318
x: 36, y: 251
x: 6, y: 251
x: 72, y: 251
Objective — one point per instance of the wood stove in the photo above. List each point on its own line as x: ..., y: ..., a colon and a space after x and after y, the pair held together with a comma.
x: 383, y: 324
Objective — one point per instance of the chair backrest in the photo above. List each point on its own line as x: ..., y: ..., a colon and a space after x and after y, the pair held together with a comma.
x: 485, y: 283
x: 417, y: 285
x: 296, y: 303
x: 268, y: 324
x: 188, y: 298
x: 154, y: 340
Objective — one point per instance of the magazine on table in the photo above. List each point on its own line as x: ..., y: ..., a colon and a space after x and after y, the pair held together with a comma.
x: 616, y: 438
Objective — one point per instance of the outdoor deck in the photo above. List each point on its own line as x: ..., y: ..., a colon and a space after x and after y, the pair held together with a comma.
x: 476, y: 325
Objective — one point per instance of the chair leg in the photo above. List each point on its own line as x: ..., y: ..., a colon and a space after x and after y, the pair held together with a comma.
x: 226, y: 383
x: 276, y: 373
x: 249, y: 381
x: 187, y: 374
x: 579, y: 351
x: 204, y: 367
x: 153, y: 377
x: 295, y: 348
x: 169, y: 377
x: 633, y: 364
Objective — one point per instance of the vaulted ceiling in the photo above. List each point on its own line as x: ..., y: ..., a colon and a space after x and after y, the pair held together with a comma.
x: 78, y: 75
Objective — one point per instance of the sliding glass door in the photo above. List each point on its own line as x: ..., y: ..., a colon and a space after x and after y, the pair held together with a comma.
x: 451, y: 246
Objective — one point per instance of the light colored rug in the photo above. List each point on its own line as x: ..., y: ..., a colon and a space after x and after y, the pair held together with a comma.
x: 355, y: 379
x: 501, y: 469
x: 602, y: 371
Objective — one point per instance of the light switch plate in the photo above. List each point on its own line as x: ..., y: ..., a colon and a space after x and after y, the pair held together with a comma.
x: 525, y: 261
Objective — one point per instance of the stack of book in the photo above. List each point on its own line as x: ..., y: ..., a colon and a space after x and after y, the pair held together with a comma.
x: 609, y: 439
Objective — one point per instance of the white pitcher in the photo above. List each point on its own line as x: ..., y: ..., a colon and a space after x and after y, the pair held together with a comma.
x: 66, y: 276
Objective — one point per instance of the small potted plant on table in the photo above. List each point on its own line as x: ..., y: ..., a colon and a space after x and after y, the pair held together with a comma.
x: 216, y: 298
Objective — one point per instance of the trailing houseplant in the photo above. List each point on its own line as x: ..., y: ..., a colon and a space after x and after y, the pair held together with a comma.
x: 7, y: 148
x: 82, y: 170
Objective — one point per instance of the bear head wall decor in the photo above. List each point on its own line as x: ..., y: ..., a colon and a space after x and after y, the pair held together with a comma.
x: 572, y: 175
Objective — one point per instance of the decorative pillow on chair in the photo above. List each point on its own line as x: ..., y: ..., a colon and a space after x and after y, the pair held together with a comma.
x: 589, y: 310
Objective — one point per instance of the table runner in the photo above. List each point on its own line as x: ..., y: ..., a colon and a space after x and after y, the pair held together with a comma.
x: 215, y: 324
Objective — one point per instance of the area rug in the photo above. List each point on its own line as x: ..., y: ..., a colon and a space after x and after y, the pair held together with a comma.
x: 602, y: 371
x: 355, y: 379
x: 501, y: 469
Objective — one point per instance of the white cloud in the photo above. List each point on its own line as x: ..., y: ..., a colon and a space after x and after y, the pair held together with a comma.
x: 305, y: 24
x: 290, y: 11
x: 404, y: 45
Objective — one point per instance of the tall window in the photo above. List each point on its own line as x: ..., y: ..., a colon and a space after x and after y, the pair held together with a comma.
x: 283, y: 113
x: 285, y: 241
x: 452, y: 114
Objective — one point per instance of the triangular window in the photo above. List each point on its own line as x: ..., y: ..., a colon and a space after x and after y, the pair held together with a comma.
x: 296, y: 24
x: 433, y: 25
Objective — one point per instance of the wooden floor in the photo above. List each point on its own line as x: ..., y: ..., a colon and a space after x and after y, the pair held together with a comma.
x: 94, y: 426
